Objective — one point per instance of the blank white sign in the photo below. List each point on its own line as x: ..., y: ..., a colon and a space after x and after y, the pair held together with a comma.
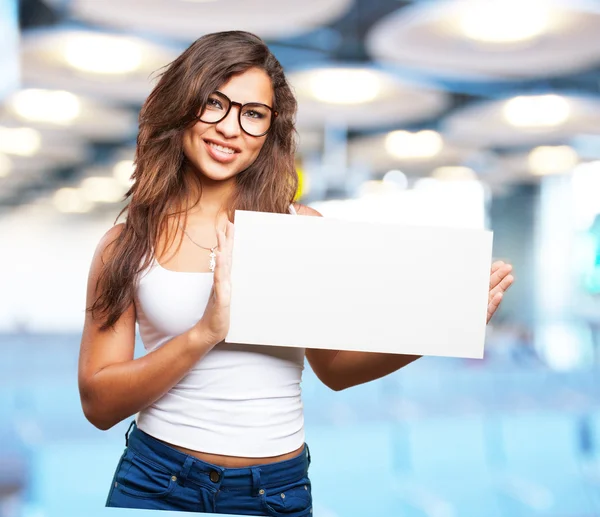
x: 316, y: 282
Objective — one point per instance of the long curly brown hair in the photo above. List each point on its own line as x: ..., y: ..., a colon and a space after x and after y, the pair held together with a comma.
x: 159, y: 181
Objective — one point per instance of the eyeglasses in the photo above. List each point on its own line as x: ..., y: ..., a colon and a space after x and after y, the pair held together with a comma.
x: 254, y: 118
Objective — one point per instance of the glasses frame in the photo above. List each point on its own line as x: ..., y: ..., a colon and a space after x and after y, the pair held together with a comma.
x: 241, y: 106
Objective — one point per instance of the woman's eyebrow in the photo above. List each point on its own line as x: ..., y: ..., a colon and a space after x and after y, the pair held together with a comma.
x: 267, y: 103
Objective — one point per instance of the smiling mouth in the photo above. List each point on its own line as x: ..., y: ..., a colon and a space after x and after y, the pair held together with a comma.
x: 223, y: 149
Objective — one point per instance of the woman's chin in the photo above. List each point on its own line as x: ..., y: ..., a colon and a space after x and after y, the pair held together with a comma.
x: 218, y: 174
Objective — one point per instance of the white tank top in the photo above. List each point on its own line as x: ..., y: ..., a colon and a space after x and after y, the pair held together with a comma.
x: 238, y: 400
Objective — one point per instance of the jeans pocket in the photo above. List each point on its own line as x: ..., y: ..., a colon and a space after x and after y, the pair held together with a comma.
x: 288, y: 500
x: 112, y: 486
x: 141, y: 477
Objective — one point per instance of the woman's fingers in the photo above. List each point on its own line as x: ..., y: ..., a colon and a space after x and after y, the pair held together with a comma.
x: 500, y: 281
x: 229, y: 230
x: 230, y: 233
x: 221, y: 245
x: 496, y: 265
x: 225, y: 249
x: 499, y: 274
x: 493, y: 305
x: 222, y: 275
x: 221, y: 240
x: 502, y: 286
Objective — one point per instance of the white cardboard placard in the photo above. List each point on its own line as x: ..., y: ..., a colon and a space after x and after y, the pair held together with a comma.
x: 316, y: 282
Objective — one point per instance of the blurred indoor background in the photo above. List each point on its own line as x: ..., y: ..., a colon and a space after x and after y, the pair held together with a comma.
x: 479, y: 113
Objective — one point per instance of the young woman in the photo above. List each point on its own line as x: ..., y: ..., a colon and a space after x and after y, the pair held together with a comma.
x: 219, y: 427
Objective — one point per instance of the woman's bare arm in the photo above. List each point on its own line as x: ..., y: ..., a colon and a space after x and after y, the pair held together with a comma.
x: 112, y: 384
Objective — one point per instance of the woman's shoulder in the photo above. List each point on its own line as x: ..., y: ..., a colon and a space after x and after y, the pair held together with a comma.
x: 110, y: 236
x: 114, y: 231
x: 306, y: 210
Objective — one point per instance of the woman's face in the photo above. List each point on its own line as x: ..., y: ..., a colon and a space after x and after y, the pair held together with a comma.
x: 203, y: 143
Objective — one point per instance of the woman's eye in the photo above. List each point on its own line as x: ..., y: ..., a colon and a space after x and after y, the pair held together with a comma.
x: 214, y: 103
x: 254, y: 114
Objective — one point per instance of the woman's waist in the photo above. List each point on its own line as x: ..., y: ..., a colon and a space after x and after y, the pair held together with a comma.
x: 210, y: 468
x: 235, y: 462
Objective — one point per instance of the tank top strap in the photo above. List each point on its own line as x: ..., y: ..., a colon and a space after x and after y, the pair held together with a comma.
x: 293, y: 210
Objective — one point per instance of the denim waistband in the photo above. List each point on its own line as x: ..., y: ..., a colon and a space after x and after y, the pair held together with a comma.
x: 192, y: 470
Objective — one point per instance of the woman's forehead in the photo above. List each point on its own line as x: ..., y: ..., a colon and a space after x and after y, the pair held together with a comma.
x: 253, y: 85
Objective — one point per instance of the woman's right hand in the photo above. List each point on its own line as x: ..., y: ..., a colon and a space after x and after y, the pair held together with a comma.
x: 215, y: 321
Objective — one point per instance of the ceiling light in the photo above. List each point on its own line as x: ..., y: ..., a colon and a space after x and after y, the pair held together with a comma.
x: 545, y: 160
x: 420, y: 145
x: 22, y: 141
x: 102, y: 189
x: 46, y: 106
x: 345, y: 85
x: 71, y: 200
x: 103, y: 54
x: 505, y: 21
x: 537, y: 111
x: 396, y: 177
x: 122, y: 172
x: 454, y: 173
x: 5, y: 166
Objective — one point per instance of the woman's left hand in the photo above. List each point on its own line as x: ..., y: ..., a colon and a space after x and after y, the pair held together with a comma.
x: 500, y: 281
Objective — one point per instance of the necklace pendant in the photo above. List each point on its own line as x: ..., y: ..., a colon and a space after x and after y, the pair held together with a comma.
x: 213, y: 262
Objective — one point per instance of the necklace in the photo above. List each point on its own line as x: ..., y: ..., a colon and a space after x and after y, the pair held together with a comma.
x: 212, y: 264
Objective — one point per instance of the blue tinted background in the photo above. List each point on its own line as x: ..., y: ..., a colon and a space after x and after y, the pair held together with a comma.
x: 443, y: 437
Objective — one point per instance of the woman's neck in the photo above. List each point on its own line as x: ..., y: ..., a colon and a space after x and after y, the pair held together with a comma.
x: 208, y: 199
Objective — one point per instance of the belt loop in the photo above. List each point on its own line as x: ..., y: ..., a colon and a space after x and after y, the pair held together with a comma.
x: 185, y: 469
x: 307, y: 454
x: 127, y: 433
x: 255, y: 480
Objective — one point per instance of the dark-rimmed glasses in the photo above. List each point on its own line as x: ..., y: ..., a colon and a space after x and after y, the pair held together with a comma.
x: 254, y: 118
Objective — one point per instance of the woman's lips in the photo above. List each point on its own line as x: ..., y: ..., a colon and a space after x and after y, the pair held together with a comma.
x: 219, y: 156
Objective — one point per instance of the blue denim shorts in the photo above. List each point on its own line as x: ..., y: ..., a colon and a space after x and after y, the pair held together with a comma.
x: 154, y: 476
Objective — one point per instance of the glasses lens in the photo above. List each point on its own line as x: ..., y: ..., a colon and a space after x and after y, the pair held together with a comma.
x: 215, y: 109
x: 256, y: 119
